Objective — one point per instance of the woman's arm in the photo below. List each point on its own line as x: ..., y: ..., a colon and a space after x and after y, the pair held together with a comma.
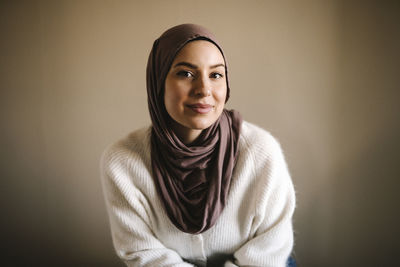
x: 131, y: 231
x: 272, y: 242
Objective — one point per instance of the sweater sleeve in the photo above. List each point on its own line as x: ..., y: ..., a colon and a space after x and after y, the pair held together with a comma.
x: 272, y: 242
x: 133, y: 238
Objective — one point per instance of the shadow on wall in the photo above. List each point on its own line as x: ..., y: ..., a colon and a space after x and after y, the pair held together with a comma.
x: 367, y: 170
x: 366, y: 217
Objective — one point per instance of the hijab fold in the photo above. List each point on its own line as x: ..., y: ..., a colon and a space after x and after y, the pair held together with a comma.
x: 192, y: 181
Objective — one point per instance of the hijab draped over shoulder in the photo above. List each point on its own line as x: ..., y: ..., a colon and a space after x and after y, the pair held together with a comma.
x: 192, y: 180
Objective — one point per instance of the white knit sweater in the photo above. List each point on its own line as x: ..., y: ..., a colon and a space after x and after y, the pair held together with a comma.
x: 254, y: 229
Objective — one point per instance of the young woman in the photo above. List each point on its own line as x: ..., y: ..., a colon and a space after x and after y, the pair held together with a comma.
x: 200, y: 186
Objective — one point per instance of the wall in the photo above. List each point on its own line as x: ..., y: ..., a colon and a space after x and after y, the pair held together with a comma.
x: 322, y: 76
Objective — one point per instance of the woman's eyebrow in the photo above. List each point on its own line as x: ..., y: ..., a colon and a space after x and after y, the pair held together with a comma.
x: 217, y: 65
x: 193, y: 66
x: 186, y: 64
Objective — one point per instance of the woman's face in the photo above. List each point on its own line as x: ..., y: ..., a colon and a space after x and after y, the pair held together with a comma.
x: 195, y: 88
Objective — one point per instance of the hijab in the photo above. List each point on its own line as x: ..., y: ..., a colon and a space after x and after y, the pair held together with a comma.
x: 193, y: 181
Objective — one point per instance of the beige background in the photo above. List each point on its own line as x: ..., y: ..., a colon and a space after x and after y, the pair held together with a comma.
x: 322, y: 76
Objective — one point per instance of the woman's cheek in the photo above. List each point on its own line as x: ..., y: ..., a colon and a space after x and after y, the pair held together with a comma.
x: 221, y: 96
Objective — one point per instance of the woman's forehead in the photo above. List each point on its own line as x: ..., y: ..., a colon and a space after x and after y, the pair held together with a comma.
x: 200, y: 51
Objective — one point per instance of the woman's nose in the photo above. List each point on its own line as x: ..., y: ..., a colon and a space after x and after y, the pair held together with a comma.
x: 202, y: 87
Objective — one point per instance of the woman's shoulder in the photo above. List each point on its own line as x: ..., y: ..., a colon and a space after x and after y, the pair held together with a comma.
x: 262, y: 153
x: 258, y: 139
x: 134, y: 146
x: 125, y: 166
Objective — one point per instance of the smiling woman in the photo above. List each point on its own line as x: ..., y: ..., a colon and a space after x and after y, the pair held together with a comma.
x: 199, y: 187
x: 195, y: 89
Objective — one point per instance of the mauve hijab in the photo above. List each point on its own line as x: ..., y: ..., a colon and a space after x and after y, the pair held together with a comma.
x: 192, y: 180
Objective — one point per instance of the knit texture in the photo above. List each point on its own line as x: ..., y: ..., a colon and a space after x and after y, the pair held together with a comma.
x: 255, y: 228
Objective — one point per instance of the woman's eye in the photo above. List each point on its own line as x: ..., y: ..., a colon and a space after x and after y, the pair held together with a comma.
x: 184, y: 73
x: 216, y: 75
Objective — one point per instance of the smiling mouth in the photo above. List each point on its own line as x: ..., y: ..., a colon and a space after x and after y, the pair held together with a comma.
x: 201, y: 108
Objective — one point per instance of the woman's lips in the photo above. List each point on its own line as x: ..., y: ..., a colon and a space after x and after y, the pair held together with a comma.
x: 201, y: 108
